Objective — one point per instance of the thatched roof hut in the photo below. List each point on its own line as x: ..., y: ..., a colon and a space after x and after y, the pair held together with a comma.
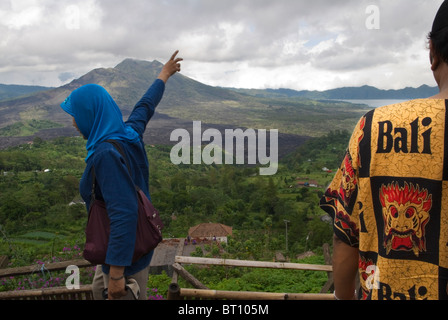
x: 210, y: 230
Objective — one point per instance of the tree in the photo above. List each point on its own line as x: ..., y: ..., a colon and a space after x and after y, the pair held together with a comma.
x: 270, y: 198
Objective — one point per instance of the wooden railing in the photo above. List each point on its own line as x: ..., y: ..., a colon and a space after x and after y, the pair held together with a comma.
x: 57, y: 293
x: 200, y: 291
x: 175, y: 292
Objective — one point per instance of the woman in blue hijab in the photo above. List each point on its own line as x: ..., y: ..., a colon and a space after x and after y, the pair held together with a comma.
x: 98, y: 118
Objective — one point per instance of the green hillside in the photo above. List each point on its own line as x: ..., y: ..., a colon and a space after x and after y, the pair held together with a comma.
x: 27, y: 128
x: 41, y: 212
x: 9, y: 91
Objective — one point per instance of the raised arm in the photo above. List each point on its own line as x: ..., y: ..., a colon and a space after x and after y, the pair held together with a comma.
x: 145, y: 108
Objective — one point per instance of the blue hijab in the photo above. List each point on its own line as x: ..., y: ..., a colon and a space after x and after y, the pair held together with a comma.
x: 97, y: 116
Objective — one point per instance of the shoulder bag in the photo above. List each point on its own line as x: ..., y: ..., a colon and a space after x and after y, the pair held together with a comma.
x: 149, y: 225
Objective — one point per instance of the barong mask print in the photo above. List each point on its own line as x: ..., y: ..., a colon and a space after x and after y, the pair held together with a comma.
x: 405, y: 213
x: 348, y: 183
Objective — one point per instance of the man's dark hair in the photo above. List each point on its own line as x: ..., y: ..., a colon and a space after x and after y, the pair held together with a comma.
x: 440, y: 43
x: 439, y: 32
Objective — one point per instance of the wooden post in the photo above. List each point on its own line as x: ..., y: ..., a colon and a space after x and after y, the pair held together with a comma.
x: 188, y: 276
x: 329, y: 285
x: 174, y: 292
x: 3, y: 261
x: 179, y: 252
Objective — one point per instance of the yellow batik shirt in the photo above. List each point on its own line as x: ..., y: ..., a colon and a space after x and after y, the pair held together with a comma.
x: 390, y: 199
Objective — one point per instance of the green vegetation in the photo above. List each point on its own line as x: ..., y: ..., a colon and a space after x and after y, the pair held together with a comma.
x: 326, y: 151
x: 27, y: 128
x: 41, y: 212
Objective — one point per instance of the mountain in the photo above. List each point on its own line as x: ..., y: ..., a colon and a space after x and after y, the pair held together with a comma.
x: 185, y: 100
x: 348, y: 93
x: 11, y: 91
x: 130, y: 79
x: 127, y: 82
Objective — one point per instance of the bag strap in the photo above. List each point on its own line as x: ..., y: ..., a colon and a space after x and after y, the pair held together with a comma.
x: 119, y: 148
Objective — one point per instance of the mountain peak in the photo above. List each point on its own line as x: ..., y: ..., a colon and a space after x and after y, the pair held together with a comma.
x: 129, y: 64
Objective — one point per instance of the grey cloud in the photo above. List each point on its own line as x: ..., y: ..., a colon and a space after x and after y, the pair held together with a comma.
x: 258, y: 33
x: 65, y: 76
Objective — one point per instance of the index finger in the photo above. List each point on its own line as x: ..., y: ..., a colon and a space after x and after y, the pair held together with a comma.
x: 174, y: 55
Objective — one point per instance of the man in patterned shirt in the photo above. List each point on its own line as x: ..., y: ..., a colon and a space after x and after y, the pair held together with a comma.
x: 389, y: 199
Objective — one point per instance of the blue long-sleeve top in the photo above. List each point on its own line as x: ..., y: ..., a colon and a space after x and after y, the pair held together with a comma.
x: 116, y: 186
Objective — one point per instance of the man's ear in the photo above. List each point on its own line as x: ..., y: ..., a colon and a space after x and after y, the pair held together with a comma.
x: 433, y: 57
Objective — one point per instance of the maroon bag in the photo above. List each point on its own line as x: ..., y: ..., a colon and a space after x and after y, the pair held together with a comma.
x: 149, y: 225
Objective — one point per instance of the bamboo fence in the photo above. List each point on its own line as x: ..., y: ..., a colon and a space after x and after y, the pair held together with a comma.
x: 200, y: 291
x: 56, y: 293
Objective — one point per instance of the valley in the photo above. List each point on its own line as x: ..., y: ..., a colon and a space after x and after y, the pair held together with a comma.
x: 42, y: 161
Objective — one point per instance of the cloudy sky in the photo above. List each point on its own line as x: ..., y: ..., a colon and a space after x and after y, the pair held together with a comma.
x: 297, y: 44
